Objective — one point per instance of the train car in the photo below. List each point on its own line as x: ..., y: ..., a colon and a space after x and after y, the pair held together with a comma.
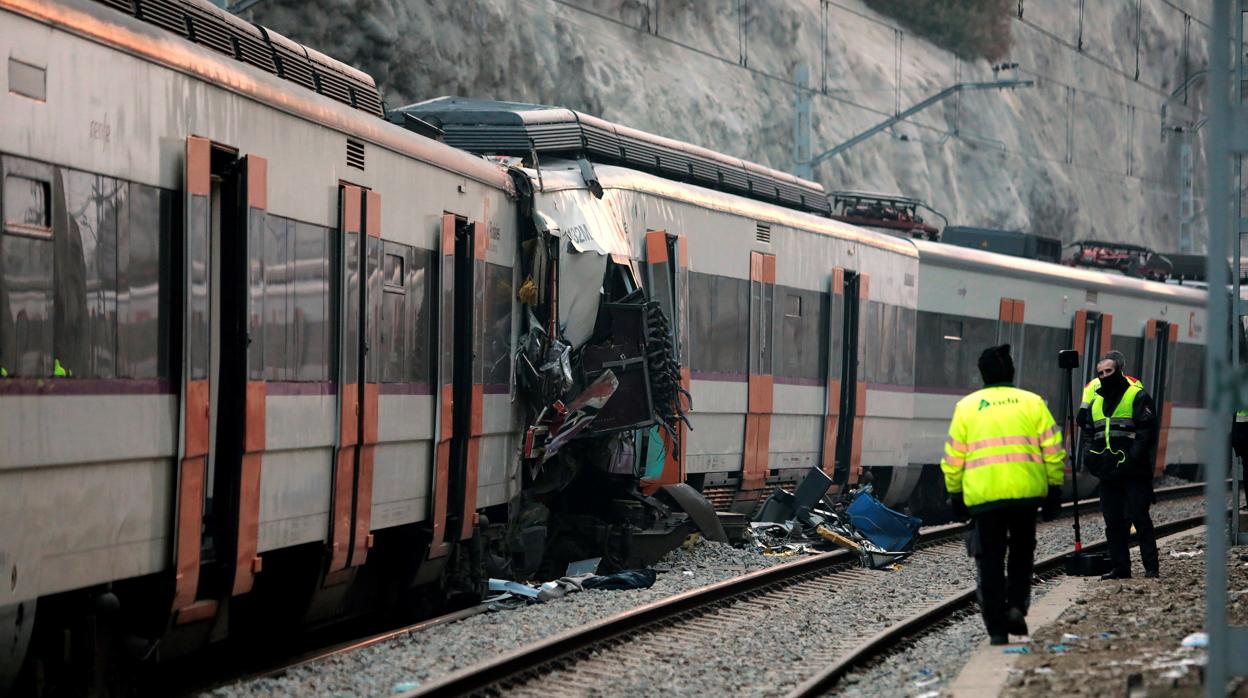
x: 969, y: 299
x: 252, y: 336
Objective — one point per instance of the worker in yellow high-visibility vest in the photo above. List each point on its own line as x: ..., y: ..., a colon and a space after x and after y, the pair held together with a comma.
x: 1119, y: 449
x: 1004, y: 458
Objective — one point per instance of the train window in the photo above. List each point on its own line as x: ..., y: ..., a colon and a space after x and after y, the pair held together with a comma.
x: 143, y: 297
x: 86, y: 340
x: 420, y: 310
x: 396, y: 338
x: 718, y: 324
x: 27, y: 206
x: 793, y: 305
x: 905, y: 345
x: 311, y: 262
x: 276, y: 298
x: 394, y: 273
x: 497, y: 331
x: 802, y: 345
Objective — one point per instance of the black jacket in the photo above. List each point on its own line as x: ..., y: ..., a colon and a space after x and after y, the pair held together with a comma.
x: 1140, y: 450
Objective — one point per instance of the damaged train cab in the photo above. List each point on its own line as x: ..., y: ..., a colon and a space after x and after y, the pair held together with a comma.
x: 696, y: 348
x: 717, y: 334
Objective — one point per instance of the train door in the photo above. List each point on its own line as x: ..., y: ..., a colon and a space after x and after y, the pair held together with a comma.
x: 846, y: 393
x: 667, y: 281
x: 222, y: 390
x: 1010, y: 330
x: 1093, y: 336
x: 459, y: 410
x: 359, y: 294
x: 760, y: 388
x: 1156, y: 370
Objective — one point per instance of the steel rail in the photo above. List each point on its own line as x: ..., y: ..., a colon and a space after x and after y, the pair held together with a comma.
x: 481, y: 676
x: 892, y: 637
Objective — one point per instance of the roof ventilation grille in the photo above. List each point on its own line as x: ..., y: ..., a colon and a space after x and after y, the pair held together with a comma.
x: 355, y: 154
x: 762, y: 232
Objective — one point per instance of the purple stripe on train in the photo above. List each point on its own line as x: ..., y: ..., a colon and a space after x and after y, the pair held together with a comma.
x: 84, y: 386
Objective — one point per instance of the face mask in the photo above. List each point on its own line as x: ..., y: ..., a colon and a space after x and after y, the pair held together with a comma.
x: 1114, y: 382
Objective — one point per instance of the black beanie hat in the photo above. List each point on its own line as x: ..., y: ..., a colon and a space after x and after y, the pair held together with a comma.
x: 996, y: 366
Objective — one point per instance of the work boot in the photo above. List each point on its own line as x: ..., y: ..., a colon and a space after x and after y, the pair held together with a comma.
x: 1116, y: 574
x: 1015, y: 622
x: 1152, y: 573
x: 998, y: 640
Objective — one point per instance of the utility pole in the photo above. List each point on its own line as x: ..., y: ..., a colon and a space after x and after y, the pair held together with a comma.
x: 801, y: 124
x: 1225, y: 386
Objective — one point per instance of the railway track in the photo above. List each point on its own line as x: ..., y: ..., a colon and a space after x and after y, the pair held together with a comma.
x: 894, y: 637
x: 590, y: 658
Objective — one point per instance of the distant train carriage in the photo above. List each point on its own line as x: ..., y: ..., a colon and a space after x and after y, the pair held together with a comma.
x: 970, y: 299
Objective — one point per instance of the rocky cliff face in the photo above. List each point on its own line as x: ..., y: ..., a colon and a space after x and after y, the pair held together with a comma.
x: 1086, y: 153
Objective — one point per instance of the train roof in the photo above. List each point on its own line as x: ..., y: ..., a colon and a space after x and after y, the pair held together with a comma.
x: 203, y: 23
x: 972, y: 259
x: 512, y: 128
x: 565, y: 174
x: 100, y: 22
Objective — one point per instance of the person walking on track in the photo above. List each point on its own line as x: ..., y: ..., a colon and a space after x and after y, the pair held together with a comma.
x: 1003, y: 460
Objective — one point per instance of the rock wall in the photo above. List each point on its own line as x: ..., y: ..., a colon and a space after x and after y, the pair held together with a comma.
x: 1085, y: 153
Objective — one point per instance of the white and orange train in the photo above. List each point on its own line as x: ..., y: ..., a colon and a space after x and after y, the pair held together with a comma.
x: 261, y: 341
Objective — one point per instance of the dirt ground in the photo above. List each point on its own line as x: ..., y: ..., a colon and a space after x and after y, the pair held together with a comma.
x: 1129, y: 633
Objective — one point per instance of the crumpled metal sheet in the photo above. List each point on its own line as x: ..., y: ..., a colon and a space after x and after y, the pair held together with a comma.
x: 591, y: 230
x: 588, y: 223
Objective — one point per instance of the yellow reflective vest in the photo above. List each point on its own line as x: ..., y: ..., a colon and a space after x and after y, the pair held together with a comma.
x: 1111, y: 436
x: 1003, y: 445
x: 1089, y: 390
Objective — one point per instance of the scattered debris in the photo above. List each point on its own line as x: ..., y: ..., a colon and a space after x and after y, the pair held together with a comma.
x: 793, y: 523
x: 510, y: 594
x: 590, y: 566
x: 1196, y: 640
x: 1017, y: 650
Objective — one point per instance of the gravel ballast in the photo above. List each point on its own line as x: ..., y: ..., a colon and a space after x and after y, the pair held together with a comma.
x: 788, y: 637
x: 1134, y: 627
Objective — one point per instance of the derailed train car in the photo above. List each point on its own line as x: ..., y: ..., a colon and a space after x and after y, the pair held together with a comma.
x: 270, y: 361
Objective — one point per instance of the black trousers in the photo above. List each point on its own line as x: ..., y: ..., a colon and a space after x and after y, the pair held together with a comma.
x: 1125, y: 503
x: 1004, y: 585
